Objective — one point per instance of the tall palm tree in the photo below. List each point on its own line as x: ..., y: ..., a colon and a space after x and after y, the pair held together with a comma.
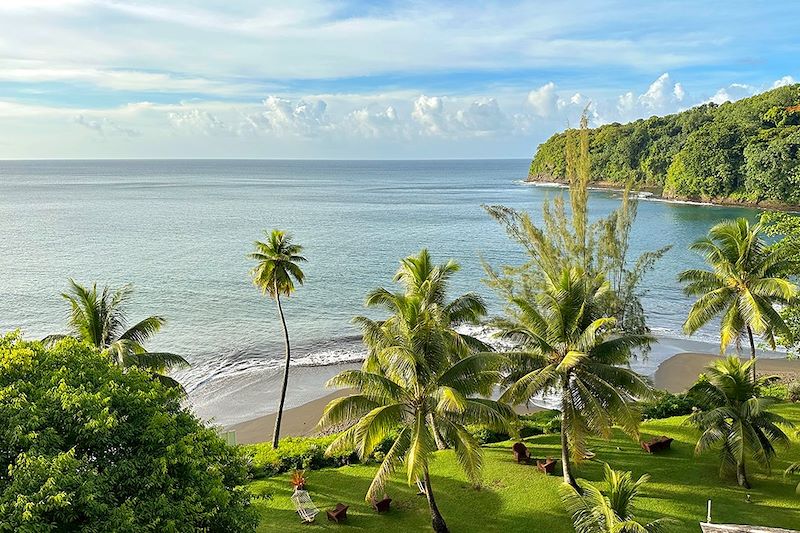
x: 735, y: 418
x: 275, y: 274
x: 100, y: 318
x: 413, y: 380
x: 746, y: 280
x: 569, y: 349
x: 612, y: 510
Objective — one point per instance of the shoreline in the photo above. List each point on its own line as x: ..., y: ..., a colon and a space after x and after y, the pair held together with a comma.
x: 656, y: 194
x: 675, y: 374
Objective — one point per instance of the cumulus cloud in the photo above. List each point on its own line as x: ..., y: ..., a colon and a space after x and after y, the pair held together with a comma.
x: 482, y: 117
x: 732, y: 92
x: 196, y: 120
x: 783, y: 82
x: 372, y: 124
x: 105, y: 126
x: 429, y: 114
x: 283, y: 116
x: 544, y: 100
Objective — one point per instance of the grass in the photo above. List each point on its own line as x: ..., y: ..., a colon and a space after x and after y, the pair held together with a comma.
x: 518, y: 498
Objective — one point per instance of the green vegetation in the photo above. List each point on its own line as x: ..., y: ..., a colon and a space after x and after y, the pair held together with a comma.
x: 785, y: 228
x: 100, y: 319
x: 419, y: 379
x: 89, y: 446
x: 275, y: 274
x: 747, y: 281
x: 515, y: 498
x: 569, y: 349
x: 734, y: 420
x: 744, y: 151
x: 594, y: 510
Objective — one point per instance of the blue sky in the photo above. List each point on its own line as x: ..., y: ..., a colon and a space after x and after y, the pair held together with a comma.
x: 313, y: 79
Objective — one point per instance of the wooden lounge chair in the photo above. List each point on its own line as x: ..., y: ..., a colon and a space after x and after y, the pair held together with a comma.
x: 657, y: 444
x: 521, y: 453
x: 304, y: 506
x: 381, y: 506
x: 338, y: 514
x: 546, y: 467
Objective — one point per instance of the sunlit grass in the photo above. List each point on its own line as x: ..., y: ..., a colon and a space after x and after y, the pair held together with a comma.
x: 518, y: 498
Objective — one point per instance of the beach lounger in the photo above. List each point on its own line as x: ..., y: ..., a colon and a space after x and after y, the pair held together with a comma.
x: 381, y: 506
x: 546, y: 467
x: 304, y: 506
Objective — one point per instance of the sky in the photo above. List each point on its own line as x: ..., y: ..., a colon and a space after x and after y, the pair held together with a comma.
x: 366, y: 80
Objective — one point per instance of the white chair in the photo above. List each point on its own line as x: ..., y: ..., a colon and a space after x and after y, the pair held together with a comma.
x: 304, y: 506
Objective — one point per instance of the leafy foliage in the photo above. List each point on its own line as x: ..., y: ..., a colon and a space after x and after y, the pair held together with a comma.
x: 100, y: 319
x: 610, y: 511
x: 736, y: 420
x: 786, y: 228
x: 745, y: 150
x: 90, y: 447
x: 567, y: 347
x: 666, y: 404
x: 292, y: 453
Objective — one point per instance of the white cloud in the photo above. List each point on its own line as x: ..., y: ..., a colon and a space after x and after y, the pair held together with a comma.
x: 482, y: 117
x: 544, y: 100
x: 283, y: 116
x: 105, y: 126
x: 373, y: 124
x: 198, y: 121
x: 732, y: 92
x: 784, y: 81
x: 429, y: 114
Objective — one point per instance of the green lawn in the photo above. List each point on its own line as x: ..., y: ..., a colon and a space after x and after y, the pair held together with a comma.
x: 518, y: 498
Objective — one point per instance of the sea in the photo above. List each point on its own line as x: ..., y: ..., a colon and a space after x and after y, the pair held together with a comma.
x: 179, y: 231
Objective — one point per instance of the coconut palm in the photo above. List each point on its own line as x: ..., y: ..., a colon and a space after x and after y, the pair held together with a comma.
x: 746, y: 280
x: 735, y: 419
x: 568, y: 348
x: 275, y: 274
x: 793, y: 468
x: 100, y: 318
x: 414, y: 382
x: 612, y: 510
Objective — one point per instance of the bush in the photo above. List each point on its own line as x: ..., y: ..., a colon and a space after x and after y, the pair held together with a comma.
x: 779, y: 391
x: 667, y: 404
x: 294, y: 453
x: 87, y: 446
x: 793, y: 390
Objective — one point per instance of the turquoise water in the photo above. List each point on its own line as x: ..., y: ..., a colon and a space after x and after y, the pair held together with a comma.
x: 180, y: 231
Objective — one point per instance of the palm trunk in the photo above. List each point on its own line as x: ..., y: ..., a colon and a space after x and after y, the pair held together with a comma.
x: 277, y: 434
x: 752, y: 351
x: 440, y: 443
x: 567, y: 468
x: 741, y: 475
x: 439, y: 526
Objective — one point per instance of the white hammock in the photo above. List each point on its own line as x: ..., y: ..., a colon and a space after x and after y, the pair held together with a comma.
x: 305, y: 507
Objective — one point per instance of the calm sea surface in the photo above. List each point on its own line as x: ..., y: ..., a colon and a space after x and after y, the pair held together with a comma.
x: 180, y: 231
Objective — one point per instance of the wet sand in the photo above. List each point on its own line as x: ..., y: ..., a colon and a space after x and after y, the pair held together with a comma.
x: 680, y: 371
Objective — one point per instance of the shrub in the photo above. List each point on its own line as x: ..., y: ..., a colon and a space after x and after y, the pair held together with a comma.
x: 88, y: 446
x: 779, y: 391
x: 794, y: 391
x: 667, y: 404
x: 293, y: 453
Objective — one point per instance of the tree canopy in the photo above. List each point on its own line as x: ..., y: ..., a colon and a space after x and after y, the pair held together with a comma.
x: 86, y: 445
x: 738, y: 151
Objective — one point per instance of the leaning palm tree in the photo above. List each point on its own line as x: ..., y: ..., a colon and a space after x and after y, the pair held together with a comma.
x: 100, y: 318
x: 275, y: 274
x: 746, y: 280
x: 413, y: 382
x: 568, y: 348
x: 735, y: 419
x: 612, y: 510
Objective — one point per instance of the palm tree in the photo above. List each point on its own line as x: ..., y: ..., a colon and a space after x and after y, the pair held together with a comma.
x: 735, y: 418
x: 747, y: 279
x: 610, y: 511
x: 100, y: 319
x: 413, y: 381
x: 569, y: 349
x: 275, y: 274
x: 793, y: 468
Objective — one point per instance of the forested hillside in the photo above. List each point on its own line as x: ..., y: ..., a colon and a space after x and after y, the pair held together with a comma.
x: 746, y: 151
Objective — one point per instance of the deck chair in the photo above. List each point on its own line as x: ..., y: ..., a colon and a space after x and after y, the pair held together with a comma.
x: 304, y: 506
x: 381, y: 506
x: 546, y: 467
x: 338, y: 514
x: 521, y: 453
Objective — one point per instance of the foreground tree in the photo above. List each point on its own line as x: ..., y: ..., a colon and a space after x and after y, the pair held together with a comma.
x: 100, y: 319
x: 612, y: 510
x: 275, y: 274
x: 735, y: 419
x: 568, y: 348
x: 746, y: 282
x: 415, y: 380
x: 89, y: 446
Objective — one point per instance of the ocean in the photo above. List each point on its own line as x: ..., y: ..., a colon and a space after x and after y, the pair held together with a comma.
x: 180, y: 231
